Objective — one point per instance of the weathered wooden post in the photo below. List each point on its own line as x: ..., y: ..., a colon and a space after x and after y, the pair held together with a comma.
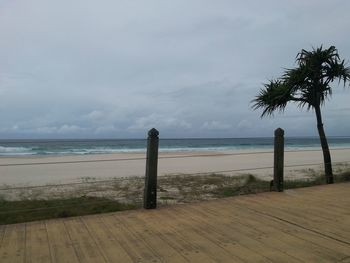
x: 150, y: 193
x: 278, y: 160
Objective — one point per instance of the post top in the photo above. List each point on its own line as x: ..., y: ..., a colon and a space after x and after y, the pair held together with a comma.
x: 153, y: 132
x: 279, y: 132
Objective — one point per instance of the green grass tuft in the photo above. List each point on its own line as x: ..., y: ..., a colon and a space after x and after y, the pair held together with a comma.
x: 31, y: 210
x: 342, y: 177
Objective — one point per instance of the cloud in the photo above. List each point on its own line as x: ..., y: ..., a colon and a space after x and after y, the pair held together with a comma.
x: 160, y: 121
x: 70, y: 129
x: 215, y: 125
x: 46, y: 130
x: 94, y: 115
x: 189, y: 68
x: 244, y: 125
x: 106, y: 130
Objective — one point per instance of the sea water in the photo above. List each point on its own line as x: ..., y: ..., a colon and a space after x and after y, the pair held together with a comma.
x: 99, y: 146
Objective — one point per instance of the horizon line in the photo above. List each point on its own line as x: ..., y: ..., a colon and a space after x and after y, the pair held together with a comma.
x: 185, y: 138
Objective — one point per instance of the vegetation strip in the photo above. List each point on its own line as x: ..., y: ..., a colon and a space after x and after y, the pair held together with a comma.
x: 171, y: 190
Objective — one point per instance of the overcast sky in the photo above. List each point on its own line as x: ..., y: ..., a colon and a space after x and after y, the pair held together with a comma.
x: 116, y: 68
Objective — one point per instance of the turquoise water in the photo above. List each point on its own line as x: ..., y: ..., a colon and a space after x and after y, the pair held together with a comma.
x: 81, y: 147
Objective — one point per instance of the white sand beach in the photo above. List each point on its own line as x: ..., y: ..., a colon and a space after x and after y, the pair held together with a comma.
x: 30, y: 171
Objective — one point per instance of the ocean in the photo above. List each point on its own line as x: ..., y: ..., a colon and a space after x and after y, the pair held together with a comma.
x: 99, y: 146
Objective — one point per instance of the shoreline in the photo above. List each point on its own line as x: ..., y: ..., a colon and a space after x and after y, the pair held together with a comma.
x: 171, y: 151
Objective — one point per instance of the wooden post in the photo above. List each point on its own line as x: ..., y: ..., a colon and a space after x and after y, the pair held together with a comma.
x: 150, y: 193
x: 278, y: 160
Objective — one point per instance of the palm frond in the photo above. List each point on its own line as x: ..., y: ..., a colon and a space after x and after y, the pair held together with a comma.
x: 308, y: 84
x: 273, y: 97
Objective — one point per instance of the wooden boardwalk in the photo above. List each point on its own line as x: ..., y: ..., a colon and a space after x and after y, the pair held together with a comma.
x: 304, y: 225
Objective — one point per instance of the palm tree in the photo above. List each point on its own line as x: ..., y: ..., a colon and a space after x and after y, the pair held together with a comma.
x: 308, y: 85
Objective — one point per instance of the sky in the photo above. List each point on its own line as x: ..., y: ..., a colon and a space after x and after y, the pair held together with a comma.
x: 190, y: 68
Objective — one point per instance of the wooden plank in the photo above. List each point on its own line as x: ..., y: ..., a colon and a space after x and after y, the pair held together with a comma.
x: 144, y: 231
x: 37, y: 244
x: 323, y: 208
x: 278, y: 235
x: 327, y: 245
x: 104, y: 239
x: 310, y: 198
x: 137, y: 249
x: 2, y: 233
x: 173, y: 238
x: 203, y: 242
x: 84, y: 245
x: 61, y: 246
x: 13, y: 244
x: 302, y: 218
x: 324, y: 215
x: 225, y: 233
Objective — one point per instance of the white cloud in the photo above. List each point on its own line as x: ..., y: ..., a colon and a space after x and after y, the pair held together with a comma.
x: 70, y: 129
x: 94, y: 115
x: 215, y: 125
x: 46, y: 130
x: 160, y: 122
x: 106, y: 130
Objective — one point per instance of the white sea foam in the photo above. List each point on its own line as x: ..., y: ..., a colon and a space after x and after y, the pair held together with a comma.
x: 39, y: 148
x: 103, y: 150
x: 8, y: 151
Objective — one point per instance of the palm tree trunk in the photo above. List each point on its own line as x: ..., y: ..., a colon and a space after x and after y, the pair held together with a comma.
x: 325, y: 148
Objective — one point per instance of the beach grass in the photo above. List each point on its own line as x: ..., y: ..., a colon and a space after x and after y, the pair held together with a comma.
x: 127, y: 194
x: 32, y: 210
